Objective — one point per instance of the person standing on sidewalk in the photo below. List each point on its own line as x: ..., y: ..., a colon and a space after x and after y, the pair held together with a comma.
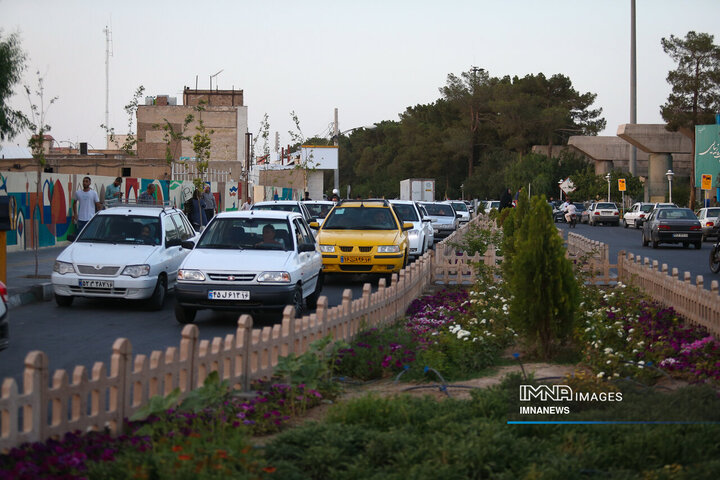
x: 210, y: 205
x: 89, y: 203
x: 148, y: 196
x: 247, y: 205
x: 113, y: 193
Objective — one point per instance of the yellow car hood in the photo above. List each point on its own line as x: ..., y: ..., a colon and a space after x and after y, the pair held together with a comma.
x: 361, y: 238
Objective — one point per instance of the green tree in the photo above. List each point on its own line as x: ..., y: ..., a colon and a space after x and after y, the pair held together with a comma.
x: 545, y: 293
x: 695, y: 96
x: 12, y: 64
x: 131, y: 110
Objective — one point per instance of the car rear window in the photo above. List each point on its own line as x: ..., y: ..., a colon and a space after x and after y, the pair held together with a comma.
x: 605, y: 205
x: 439, y: 209
x: 647, y: 208
x: 713, y: 212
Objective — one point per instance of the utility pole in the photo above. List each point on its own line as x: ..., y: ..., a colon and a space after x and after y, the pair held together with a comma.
x: 108, y: 54
x: 633, y: 86
x: 336, y: 134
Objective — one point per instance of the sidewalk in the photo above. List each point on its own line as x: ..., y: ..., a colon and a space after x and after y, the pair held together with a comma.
x: 23, y: 287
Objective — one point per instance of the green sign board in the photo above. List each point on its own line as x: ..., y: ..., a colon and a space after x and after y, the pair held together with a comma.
x: 707, y: 152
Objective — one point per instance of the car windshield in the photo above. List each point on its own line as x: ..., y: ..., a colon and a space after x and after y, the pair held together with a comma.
x: 318, y: 210
x: 247, y: 233
x: 459, y: 207
x: 125, y: 229
x: 605, y: 205
x: 360, y: 218
x: 676, y: 213
x: 713, y: 212
x: 439, y: 209
x: 278, y: 208
x: 405, y: 212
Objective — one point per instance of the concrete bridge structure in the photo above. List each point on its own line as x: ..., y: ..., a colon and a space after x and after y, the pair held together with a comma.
x: 659, y: 150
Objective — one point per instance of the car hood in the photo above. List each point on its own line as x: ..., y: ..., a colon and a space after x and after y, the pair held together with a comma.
x: 207, y: 259
x: 107, y: 254
x: 355, y: 237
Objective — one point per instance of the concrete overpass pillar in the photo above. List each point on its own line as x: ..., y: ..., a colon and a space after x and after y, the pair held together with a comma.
x: 657, y: 184
x: 603, y: 167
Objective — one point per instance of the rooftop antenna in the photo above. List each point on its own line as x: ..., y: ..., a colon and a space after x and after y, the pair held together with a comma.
x: 212, y: 76
x: 108, y: 54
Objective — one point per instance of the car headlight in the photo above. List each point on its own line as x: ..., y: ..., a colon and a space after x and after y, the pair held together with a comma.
x: 388, y: 249
x: 275, y: 277
x: 191, y: 275
x: 327, y: 248
x: 63, y: 267
x: 136, y: 271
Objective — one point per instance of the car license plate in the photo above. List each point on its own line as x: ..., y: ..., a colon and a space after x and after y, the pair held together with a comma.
x: 354, y: 259
x: 96, y: 283
x: 679, y: 235
x: 228, y: 295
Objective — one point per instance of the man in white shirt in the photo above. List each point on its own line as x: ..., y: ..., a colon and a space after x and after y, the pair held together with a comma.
x: 247, y: 205
x: 570, y: 210
x: 88, y: 202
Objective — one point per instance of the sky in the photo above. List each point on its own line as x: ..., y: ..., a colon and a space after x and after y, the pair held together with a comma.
x: 370, y: 59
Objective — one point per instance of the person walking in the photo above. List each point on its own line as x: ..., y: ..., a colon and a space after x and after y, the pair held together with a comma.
x: 86, y: 203
x: 505, y: 200
x: 247, y: 205
x: 195, y: 210
x: 148, y: 196
x: 113, y: 193
x: 210, y: 205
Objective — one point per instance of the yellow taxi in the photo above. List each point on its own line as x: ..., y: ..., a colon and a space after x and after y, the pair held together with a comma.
x: 363, y: 236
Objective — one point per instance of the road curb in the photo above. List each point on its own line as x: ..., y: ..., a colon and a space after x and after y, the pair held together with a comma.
x: 41, y: 292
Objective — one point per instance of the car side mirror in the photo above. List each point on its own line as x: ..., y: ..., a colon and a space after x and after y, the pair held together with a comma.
x: 407, y: 226
x: 427, y: 220
x: 457, y: 215
x: 189, y: 244
x: 306, y: 247
x: 314, y: 225
x: 173, y: 242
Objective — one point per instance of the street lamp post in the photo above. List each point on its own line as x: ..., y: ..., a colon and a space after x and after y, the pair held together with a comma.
x: 670, y: 174
x: 560, y: 187
x: 608, y: 177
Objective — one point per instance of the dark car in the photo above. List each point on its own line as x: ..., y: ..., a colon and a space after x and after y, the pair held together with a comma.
x: 672, y: 225
x: 4, y: 329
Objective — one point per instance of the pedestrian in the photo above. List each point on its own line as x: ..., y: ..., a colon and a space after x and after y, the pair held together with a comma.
x: 505, y: 199
x: 209, y: 200
x: 86, y: 203
x: 247, y: 205
x: 196, y: 210
x: 113, y: 193
x: 307, y: 197
x: 148, y: 196
x: 714, y: 201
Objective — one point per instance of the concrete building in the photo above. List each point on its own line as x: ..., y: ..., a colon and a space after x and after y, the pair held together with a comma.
x: 221, y: 111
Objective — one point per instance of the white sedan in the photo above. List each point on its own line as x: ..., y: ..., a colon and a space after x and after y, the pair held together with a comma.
x: 637, y: 214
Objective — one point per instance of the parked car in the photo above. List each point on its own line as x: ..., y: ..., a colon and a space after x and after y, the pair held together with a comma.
x: 490, y: 204
x: 250, y: 260
x: 603, y: 212
x: 318, y: 209
x: 708, y: 218
x: 462, y: 210
x: 4, y: 326
x: 672, y: 225
x: 407, y: 211
x: 637, y: 214
x: 127, y: 251
x: 364, y: 236
x: 443, y: 217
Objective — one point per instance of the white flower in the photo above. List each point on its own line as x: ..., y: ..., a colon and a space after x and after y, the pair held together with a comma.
x: 601, y: 375
x: 608, y: 362
x: 631, y: 330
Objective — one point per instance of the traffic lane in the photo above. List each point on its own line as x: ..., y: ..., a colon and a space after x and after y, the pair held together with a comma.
x: 85, y: 332
x: 630, y: 240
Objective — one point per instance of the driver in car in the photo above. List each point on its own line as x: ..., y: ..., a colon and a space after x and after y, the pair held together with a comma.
x: 268, y: 233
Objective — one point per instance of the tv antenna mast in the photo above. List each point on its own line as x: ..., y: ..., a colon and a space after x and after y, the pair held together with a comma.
x: 108, y: 54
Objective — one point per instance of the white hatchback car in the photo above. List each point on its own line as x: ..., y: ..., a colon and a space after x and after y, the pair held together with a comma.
x: 418, y: 238
x: 637, y: 214
x: 127, y: 251
x: 250, y: 260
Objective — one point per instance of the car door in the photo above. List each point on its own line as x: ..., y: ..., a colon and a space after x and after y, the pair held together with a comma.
x: 173, y: 254
x: 309, y: 263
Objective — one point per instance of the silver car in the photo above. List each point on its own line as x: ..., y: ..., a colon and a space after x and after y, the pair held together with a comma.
x: 407, y: 211
x: 443, y: 217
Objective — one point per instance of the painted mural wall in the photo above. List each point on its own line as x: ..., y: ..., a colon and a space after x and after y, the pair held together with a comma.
x: 50, y: 213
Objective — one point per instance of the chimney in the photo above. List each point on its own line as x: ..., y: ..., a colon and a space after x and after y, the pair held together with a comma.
x: 161, y: 100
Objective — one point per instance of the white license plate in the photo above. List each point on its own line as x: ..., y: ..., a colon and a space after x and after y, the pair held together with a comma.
x: 679, y: 235
x: 96, y: 283
x: 228, y: 295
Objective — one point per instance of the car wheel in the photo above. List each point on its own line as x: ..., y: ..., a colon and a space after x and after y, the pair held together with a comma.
x: 625, y: 223
x: 698, y: 245
x: 715, y: 259
x: 64, y: 301
x: 298, y: 302
x: 312, y: 300
x: 157, y: 300
x: 184, y: 315
x: 686, y: 244
x: 703, y: 238
x: 655, y: 244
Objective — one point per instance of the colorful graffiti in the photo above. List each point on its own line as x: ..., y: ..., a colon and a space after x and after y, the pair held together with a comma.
x: 47, y: 215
